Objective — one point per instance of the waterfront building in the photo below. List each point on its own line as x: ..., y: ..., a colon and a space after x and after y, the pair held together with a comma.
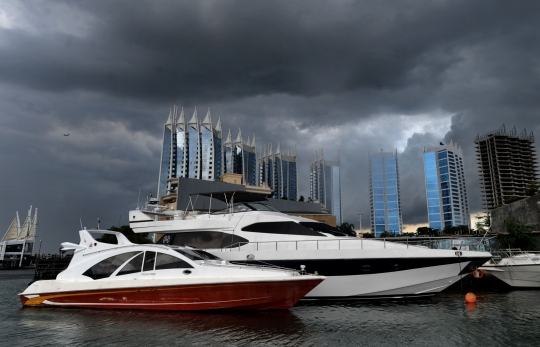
x: 384, y: 193
x: 325, y: 185
x: 17, y: 245
x: 279, y: 171
x: 507, y: 165
x: 446, y: 190
x: 240, y: 158
x: 191, y: 149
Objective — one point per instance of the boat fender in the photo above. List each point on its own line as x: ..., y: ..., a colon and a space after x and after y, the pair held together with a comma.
x: 478, y: 273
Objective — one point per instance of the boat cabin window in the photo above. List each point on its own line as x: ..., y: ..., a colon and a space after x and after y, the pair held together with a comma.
x: 286, y: 228
x: 202, y: 239
x: 165, y: 261
x: 325, y: 228
x: 149, y: 260
x: 107, y: 267
x: 197, y: 254
x: 104, y: 238
x: 247, y: 207
x: 133, y: 266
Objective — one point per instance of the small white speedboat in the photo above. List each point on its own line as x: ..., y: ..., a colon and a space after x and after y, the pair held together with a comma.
x: 125, y: 275
x: 516, y: 268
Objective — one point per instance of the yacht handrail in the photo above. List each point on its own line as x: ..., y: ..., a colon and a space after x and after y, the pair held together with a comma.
x: 431, y: 242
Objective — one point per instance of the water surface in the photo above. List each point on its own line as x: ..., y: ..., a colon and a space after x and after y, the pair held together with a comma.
x: 500, y: 318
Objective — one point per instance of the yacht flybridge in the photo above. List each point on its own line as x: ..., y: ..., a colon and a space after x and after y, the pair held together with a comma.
x: 124, y: 275
x: 250, y: 231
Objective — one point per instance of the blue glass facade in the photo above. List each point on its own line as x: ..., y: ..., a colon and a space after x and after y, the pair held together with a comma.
x: 193, y: 158
x: 384, y: 194
x: 325, y: 186
x: 445, y: 187
x: 240, y: 158
x: 279, y: 171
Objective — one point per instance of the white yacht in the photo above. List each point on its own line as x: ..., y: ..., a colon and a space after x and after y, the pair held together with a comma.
x: 516, y: 268
x: 250, y: 231
x: 111, y: 272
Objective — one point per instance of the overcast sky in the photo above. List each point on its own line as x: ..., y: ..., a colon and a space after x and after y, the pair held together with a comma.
x: 346, y: 76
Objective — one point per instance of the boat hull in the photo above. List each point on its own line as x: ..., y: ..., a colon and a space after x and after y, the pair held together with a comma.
x: 517, y: 276
x: 373, y: 277
x: 260, y: 295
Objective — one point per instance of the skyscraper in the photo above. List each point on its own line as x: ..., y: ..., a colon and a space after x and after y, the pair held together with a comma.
x: 279, y: 171
x: 192, y: 150
x: 507, y: 164
x: 384, y: 193
x: 240, y: 158
x: 445, y: 187
x: 325, y: 185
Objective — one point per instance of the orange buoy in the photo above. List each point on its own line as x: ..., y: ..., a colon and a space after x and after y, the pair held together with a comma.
x: 478, y: 273
x: 470, y: 298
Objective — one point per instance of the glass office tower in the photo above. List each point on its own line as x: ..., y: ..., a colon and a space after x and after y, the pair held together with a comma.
x: 279, y: 171
x: 384, y: 193
x: 445, y: 187
x: 240, y: 158
x: 192, y: 149
x: 325, y: 185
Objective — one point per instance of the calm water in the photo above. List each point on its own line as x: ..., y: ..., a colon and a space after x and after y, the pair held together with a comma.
x: 500, y: 319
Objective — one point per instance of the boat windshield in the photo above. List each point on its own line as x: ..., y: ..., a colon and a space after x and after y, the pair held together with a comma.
x: 247, y: 207
x: 196, y: 254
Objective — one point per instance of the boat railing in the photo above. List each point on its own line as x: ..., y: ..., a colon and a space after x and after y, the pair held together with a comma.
x: 467, y: 244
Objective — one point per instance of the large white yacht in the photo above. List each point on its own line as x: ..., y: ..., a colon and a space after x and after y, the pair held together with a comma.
x: 111, y: 272
x: 250, y: 231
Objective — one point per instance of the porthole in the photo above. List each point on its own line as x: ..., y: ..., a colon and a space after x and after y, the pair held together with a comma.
x: 186, y: 272
x: 396, y: 267
x: 366, y: 268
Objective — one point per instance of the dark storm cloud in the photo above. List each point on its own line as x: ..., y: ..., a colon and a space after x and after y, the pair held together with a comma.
x: 230, y: 49
x: 346, y: 76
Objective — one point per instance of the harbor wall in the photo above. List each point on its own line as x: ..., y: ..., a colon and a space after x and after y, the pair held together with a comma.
x: 526, y: 211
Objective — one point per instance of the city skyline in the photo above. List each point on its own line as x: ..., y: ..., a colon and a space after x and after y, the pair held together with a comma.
x: 366, y: 76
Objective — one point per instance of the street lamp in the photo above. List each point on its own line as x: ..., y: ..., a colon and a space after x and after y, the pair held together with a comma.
x: 360, y: 214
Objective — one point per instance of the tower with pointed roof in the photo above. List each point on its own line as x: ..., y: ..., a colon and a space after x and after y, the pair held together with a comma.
x: 507, y: 164
x: 279, y: 171
x: 325, y: 184
x: 240, y: 158
x: 190, y: 149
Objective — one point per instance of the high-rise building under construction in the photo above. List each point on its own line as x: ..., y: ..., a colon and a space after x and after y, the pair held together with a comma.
x: 507, y: 165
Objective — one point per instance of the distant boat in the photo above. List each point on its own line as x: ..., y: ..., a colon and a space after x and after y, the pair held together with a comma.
x: 517, y: 268
x: 17, y: 245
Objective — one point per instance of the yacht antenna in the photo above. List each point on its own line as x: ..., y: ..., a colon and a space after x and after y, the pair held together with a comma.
x: 80, y: 220
x: 139, y: 198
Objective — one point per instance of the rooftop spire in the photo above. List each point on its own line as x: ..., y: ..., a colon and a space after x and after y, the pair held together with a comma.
x: 239, y: 137
x: 207, y: 122
x: 229, y: 139
x: 218, y: 125
x: 194, y: 121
